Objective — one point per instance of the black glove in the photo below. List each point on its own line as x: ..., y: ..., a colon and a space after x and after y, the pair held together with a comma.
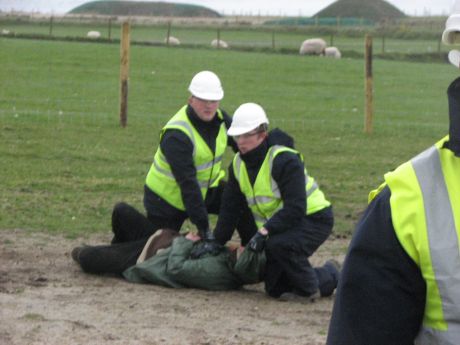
x: 207, y: 245
x: 257, y: 242
x: 207, y: 235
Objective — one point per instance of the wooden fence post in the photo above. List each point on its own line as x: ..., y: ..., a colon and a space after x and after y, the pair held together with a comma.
x: 368, y: 85
x: 110, y: 29
x: 168, y: 33
x: 51, y: 26
x: 124, y: 73
x: 273, y: 40
x: 218, y: 38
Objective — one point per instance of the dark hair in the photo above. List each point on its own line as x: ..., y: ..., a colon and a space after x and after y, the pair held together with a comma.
x: 263, y: 127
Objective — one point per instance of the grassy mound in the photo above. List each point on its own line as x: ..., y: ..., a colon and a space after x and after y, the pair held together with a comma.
x: 142, y: 8
x: 375, y: 10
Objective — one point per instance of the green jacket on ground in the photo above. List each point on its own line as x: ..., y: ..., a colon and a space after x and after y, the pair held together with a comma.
x: 172, y: 267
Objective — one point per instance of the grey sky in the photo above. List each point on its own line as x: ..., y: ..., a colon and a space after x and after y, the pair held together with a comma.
x: 240, y: 7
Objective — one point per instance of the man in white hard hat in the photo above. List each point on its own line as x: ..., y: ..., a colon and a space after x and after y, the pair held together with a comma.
x: 291, y: 216
x: 185, y: 178
x: 400, y: 282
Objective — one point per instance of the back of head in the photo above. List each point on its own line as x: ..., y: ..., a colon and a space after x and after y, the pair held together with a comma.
x: 206, y: 85
x: 246, y: 118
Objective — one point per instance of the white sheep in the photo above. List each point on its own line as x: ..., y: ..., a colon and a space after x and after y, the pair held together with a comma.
x: 173, y: 41
x: 219, y: 44
x: 93, y: 34
x: 5, y: 32
x: 332, y: 52
x: 312, y: 46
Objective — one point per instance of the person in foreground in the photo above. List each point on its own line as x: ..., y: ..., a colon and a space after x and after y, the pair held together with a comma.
x: 400, y: 282
x: 291, y: 216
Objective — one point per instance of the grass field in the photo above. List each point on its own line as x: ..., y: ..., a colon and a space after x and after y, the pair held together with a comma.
x: 66, y: 161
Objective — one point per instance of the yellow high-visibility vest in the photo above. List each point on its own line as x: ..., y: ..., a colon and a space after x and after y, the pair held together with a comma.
x: 207, y: 163
x: 264, y: 198
x: 425, y: 209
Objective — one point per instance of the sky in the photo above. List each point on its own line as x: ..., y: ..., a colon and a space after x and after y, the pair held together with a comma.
x: 241, y: 7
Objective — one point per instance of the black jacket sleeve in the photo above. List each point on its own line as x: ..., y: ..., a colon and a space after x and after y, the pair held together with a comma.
x: 288, y: 172
x: 232, y: 205
x: 178, y: 151
x: 381, y: 294
x: 228, y: 122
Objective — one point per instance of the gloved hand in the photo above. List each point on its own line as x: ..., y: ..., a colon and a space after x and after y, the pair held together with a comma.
x: 202, y: 248
x: 257, y: 242
x: 207, y: 245
x: 207, y: 235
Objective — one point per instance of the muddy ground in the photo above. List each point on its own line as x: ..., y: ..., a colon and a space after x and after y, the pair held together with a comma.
x: 46, y: 299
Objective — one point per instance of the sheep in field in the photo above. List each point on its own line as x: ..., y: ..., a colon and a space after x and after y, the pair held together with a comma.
x: 219, y: 44
x: 93, y: 34
x: 173, y: 41
x: 313, y: 46
x: 332, y: 52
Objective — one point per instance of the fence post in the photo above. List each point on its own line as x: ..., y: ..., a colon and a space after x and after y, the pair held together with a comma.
x: 168, y: 33
x: 368, y: 85
x: 331, y: 42
x: 218, y: 38
x: 273, y: 40
x: 51, y: 26
x: 110, y: 29
x: 124, y: 73
x: 383, y: 44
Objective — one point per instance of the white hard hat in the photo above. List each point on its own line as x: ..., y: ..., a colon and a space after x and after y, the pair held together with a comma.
x: 451, y: 34
x: 247, y: 117
x: 206, y: 85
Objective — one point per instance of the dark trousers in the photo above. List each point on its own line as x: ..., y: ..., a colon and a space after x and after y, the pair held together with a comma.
x: 288, y: 268
x: 131, y: 231
x: 163, y: 215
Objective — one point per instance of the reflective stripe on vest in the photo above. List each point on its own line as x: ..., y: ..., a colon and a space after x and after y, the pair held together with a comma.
x: 264, y: 204
x: 207, y: 164
x: 443, y: 242
x: 199, y: 168
x: 424, y: 222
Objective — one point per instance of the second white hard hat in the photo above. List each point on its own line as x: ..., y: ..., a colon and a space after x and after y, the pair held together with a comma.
x: 451, y: 34
x: 206, y: 85
x: 247, y: 117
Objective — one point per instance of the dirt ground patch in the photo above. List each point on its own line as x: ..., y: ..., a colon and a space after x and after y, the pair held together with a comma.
x: 46, y: 299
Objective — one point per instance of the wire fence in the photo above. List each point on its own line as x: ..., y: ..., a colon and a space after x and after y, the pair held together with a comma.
x: 390, y: 37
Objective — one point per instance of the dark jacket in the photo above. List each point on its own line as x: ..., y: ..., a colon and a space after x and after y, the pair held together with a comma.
x: 381, y: 294
x: 287, y: 171
x: 178, y: 150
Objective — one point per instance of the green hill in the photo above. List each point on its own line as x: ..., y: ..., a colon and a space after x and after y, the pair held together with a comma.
x: 374, y: 10
x: 143, y: 8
